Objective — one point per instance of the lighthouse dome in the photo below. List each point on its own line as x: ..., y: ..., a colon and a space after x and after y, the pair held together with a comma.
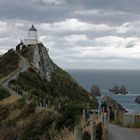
x: 32, y: 28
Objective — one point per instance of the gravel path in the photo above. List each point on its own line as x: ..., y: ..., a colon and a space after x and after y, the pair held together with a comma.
x: 24, y: 65
x: 121, y: 133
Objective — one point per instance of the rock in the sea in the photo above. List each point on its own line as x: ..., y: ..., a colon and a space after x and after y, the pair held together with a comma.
x: 119, y: 90
x: 95, y: 91
x: 137, y: 100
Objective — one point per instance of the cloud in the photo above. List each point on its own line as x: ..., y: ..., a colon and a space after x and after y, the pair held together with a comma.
x: 3, y: 26
x: 109, y: 53
x: 75, y: 38
x: 116, y: 41
x: 57, y: 2
x: 124, y: 28
x: 128, y: 27
x: 73, y: 47
x: 86, y: 12
x: 99, y: 12
x: 73, y: 24
x: 94, y: 33
x: 103, y: 51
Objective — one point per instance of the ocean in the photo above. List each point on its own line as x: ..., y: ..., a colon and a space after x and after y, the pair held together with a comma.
x: 106, y: 79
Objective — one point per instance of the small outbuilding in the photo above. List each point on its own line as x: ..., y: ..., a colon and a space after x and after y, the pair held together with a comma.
x: 131, y: 119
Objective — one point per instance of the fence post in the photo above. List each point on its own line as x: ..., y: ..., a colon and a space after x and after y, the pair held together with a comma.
x: 46, y: 106
x: 53, y: 107
x: 99, y: 109
x: 108, y: 114
x: 102, y: 116
x: 93, y: 130
x: 44, y: 102
x: 88, y: 111
x: 77, y: 133
x: 40, y: 104
x: 105, y: 120
x: 49, y: 103
x: 84, y: 114
x: 59, y: 106
x: 115, y: 115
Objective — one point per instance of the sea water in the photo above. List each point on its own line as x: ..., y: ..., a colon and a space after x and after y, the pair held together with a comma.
x: 106, y: 79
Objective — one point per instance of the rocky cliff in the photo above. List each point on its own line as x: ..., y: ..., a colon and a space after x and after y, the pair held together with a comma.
x: 38, y: 57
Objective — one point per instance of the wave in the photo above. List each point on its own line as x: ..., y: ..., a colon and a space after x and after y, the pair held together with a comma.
x: 132, y: 94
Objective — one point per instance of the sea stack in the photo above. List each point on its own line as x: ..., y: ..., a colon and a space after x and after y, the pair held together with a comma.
x: 119, y: 90
x: 137, y: 100
x: 95, y: 91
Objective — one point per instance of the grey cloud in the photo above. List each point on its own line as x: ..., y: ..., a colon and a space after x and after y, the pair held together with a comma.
x: 40, y: 10
x: 71, y: 44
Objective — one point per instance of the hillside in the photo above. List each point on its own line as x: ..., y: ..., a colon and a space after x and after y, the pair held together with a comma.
x: 31, y: 77
x: 8, y: 63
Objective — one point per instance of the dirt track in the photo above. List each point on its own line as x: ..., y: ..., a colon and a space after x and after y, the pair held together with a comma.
x: 121, y: 133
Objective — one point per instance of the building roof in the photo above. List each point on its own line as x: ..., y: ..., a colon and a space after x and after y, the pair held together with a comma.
x: 32, y: 28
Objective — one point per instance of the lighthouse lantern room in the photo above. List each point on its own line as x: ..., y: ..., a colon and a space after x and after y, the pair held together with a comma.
x: 32, y: 36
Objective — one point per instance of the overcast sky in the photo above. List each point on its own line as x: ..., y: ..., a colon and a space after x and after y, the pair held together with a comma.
x: 80, y: 34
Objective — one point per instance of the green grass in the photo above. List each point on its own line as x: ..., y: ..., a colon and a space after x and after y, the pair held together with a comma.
x: 60, y: 87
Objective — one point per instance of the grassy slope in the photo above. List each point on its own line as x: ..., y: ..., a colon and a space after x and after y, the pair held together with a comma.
x: 8, y: 63
x: 23, y: 120
x: 61, y: 86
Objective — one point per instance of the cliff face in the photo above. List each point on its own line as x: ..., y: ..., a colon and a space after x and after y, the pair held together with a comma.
x: 40, y: 60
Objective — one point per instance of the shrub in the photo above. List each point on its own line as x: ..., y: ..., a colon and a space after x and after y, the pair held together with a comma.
x: 28, y: 110
x: 70, y: 115
x: 4, y: 93
x: 21, y: 102
x: 42, y: 124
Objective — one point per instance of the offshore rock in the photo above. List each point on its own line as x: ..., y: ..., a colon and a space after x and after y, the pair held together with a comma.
x: 137, y: 100
x: 119, y: 90
x: 95, y: 91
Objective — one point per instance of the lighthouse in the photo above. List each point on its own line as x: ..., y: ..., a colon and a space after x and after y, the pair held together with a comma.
x: 32, y: 38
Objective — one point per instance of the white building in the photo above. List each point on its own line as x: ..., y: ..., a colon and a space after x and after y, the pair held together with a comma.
x: 32, y: 36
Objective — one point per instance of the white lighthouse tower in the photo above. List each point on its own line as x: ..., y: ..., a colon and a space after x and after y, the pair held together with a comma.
x: 32, y: 36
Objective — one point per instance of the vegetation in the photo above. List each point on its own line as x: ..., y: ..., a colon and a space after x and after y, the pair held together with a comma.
x: 31, y: 122
x: 6, y: 65
x: 60, y: 87
x: 23, y: 119
x: 3, y: 93
x: 71, y: 114
x: 38, y: 123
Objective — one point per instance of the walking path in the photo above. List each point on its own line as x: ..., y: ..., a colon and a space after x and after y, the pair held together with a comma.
x: 121, y: 133
x: 23, y: 66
